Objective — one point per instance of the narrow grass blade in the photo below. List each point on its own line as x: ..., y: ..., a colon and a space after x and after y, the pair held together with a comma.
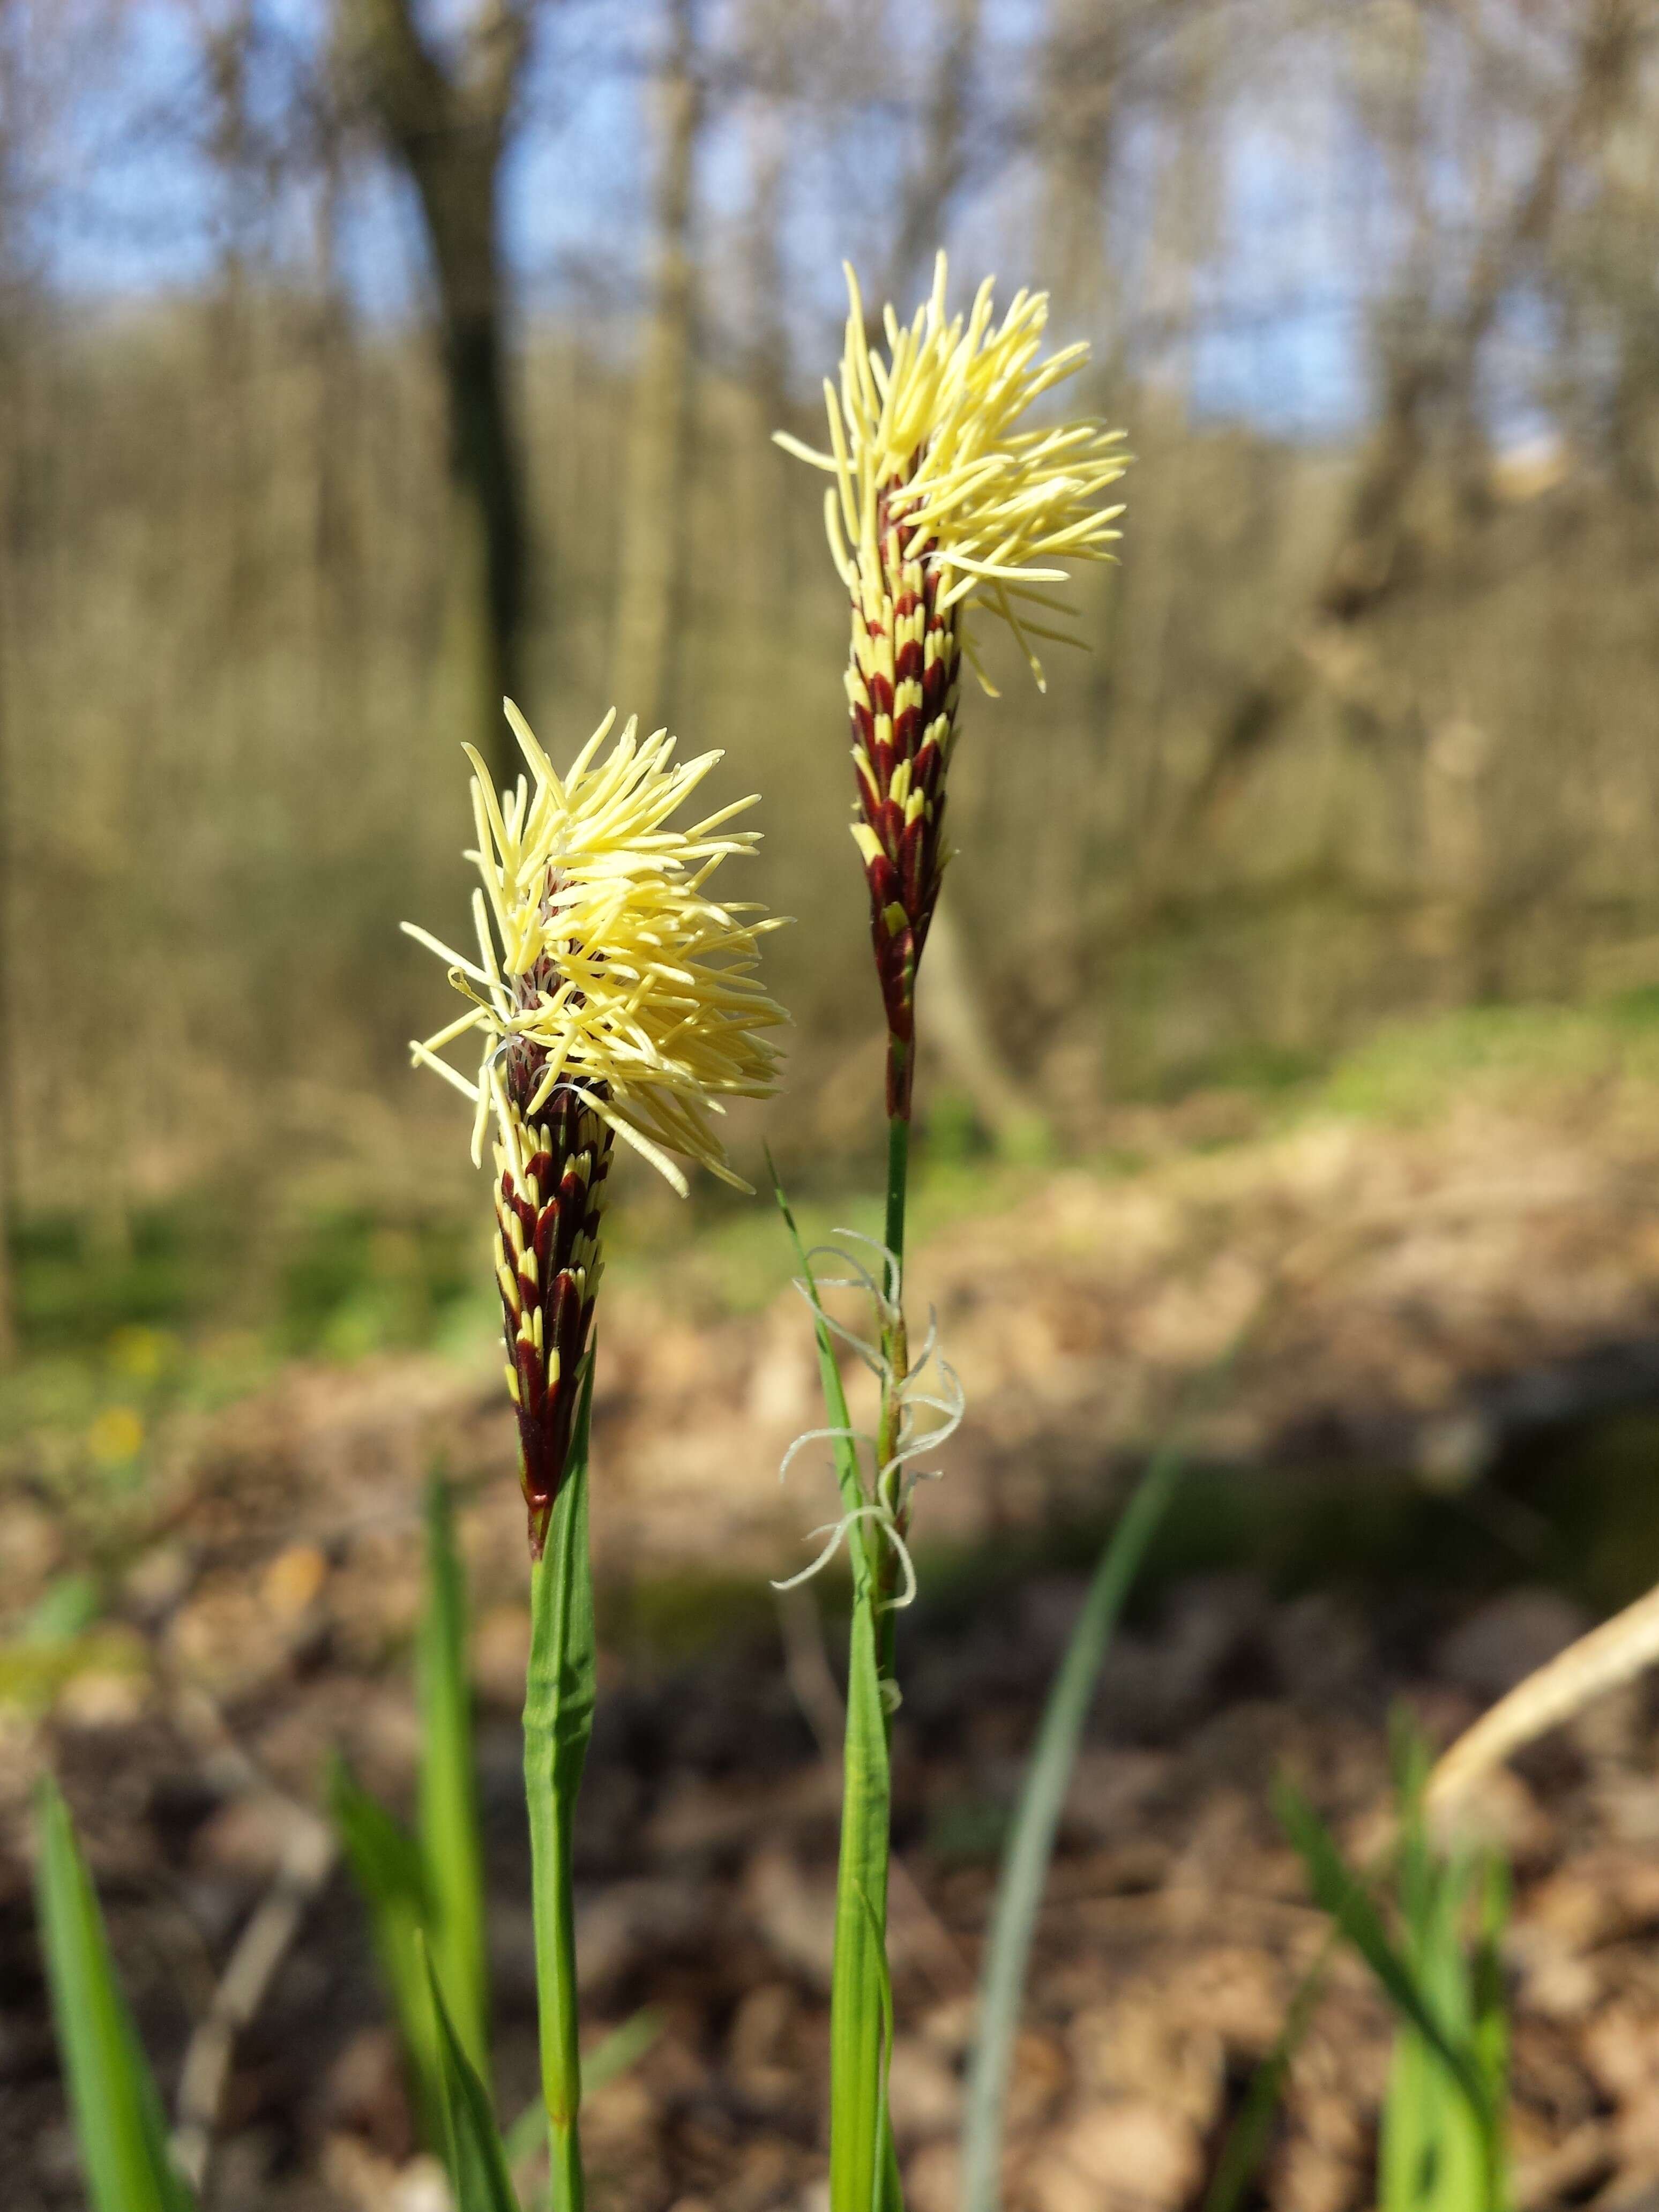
x: 1491, y: 2035
x: 118, y: 2118
x: 477, y: 2163
x: 887, y: 2194
x: 558, y: 1719
x: 623, y: 2047
x: 1037, y: 1819
x: 612, y: 2056
x: 859, y: 1996
x: 1432, y: 2146
x: 1351, y: 1905
x: 1441, y: 2149
x: 1247, y: 2140
x: 1492, y: 2019
x: 388, y: 1870
x: 526, y: 2137
x: 450, y: 1840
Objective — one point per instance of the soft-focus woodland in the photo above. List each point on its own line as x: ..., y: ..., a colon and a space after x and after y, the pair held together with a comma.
x: 1370, y: 722
x: 1289, y: 1096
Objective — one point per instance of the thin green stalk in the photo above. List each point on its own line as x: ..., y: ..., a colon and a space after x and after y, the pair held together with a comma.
x: 561, y: 2072
x: 558, y: 1719
x: 1246, y: 2145
x: 845, y: 1453
x: 896, y: 1347
x: 898, y: 1177
x: 863, y: 2158
x: 1030, y: 1844
x: 550, y: 1839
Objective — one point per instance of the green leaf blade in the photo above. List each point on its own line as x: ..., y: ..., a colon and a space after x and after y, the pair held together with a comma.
x: 118, y: 2118
x: 1350, y: 1904
x: 389, y: 1871
x: 1246, y: 2145
x: 451, y: 1841
x: 1037, y: 1821
x: 1339, y: 1892
x: 860, y: 2000
x: 476, y: 2160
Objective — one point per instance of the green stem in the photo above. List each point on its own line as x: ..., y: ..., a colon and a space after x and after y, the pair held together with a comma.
x: 558, y: 1719
x: 896, y: 1344
x: 898, y: 1172
x: 555, y: 1977
x: 863, y: 2160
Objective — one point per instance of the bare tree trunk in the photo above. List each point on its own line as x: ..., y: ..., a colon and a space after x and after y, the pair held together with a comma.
x: 8, y: 1132
x: 1080, y: 68
x: 447, y: 125
x: 943, y: 159
x: 641, y: 674
x: 336, y: 565
x: 1430, y: 364
x: 10, y: 371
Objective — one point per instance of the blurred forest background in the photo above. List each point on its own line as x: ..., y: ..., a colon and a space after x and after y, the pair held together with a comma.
x: 360, y: 361
x: 1290, y: 1031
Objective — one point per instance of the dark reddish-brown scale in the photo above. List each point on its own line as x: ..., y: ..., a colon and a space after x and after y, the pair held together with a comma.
x: 904, y: 875
x: 529, y: 1369
x: 911, y: 849
x: 567, y: 1205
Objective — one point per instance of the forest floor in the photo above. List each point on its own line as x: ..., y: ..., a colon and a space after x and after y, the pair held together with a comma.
x: 1412, y: 1353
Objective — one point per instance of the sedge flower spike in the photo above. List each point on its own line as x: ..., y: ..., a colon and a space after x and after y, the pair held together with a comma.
x: 944, y: 504
x: 613, y: 999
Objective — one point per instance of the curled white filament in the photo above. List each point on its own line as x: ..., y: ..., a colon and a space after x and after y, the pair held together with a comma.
x: 887, y: 1486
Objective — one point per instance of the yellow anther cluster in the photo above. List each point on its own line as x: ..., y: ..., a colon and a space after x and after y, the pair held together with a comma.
x: 930, y: 439
x: 601, y: 964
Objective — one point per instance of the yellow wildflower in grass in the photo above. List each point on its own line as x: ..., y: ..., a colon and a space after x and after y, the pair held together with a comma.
x: 943, y: 504
x: 614, y: 1000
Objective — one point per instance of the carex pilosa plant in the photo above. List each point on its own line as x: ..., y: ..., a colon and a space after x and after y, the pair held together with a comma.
x: 611, y: 999
x: 950, y: 499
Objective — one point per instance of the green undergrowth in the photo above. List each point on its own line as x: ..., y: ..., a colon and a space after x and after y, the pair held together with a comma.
x: 1411, y: 1071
